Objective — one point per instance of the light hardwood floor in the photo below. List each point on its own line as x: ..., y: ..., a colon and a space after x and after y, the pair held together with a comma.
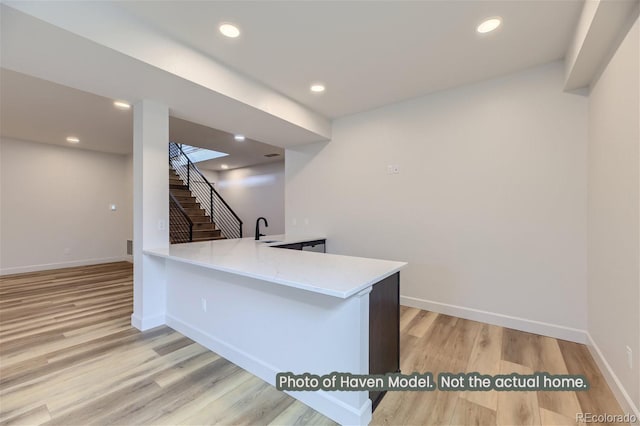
x: 69, y: 356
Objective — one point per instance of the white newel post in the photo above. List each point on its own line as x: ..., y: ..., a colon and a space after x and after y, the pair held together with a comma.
x: 150, y: 211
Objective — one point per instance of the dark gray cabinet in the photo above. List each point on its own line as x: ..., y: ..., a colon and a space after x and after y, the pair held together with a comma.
x: 384, y: 330
x: 306, y: 245
x: 384, y: 322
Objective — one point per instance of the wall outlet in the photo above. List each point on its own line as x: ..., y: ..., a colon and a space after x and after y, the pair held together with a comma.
x: 162, y: 225
x: 113, y: 207
x: 204, y: 304
x: 393, y: 169
x: 629, y: 357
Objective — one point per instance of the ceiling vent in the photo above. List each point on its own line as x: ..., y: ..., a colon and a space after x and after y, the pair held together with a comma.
x: 275, y: 154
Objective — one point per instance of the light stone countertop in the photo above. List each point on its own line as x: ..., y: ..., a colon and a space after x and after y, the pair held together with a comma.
x: 329, y: 274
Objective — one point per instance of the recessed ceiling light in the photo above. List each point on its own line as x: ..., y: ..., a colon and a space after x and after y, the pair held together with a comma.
x: 489, y: 25
x: 73, y: 139
x: 229, y: 30
x: 239, y: 138
x: 317, y: 88
x: 224, y: 166
x: 121, y: 105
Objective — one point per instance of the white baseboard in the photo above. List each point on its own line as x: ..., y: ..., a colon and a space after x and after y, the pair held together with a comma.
x: 60, y: 265
x: 147, y: 323
x: 522, y: 324
x: 320, y: 401
x: 621, y: 394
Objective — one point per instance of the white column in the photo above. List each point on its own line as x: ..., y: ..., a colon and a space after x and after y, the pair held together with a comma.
x: 150, y: 211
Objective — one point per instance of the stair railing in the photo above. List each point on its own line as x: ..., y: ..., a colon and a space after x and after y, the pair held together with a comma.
x: 181, y: 223
x: 210, y: 200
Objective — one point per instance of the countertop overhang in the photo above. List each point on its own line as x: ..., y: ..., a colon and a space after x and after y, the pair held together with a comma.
x: 329, y: 274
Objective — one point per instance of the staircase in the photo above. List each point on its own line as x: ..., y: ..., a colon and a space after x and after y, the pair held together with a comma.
x: 187, y: 220
x: 197, y: 211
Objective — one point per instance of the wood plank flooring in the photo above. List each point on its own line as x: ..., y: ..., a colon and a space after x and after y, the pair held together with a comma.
x: 69, y: 356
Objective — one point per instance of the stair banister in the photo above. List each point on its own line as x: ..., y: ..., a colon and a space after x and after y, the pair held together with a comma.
x: 184, y: 214
x: 219, y: 211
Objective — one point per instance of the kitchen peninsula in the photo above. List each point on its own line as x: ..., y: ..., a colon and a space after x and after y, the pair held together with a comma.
x: 272, y: 310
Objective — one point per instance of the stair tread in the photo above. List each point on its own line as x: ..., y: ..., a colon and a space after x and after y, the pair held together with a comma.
x: 209, y: 238
x: 199, y: 240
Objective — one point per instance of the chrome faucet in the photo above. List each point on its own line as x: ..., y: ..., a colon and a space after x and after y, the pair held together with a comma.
x: 258, y: 234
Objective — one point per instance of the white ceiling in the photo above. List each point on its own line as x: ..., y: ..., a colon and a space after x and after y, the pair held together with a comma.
x: 96, y: 48
x: 37, y: 110
x: 241, y: 154
x: 41, y: 111
x: 368, y: 53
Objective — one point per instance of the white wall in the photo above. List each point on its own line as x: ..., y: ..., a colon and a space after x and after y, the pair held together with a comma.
x: 55, y: 207
x: 488, y: 207
x: 211, y: 175
x: 614, y: 214
x: 128, y: 190
x: 253, y: 192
